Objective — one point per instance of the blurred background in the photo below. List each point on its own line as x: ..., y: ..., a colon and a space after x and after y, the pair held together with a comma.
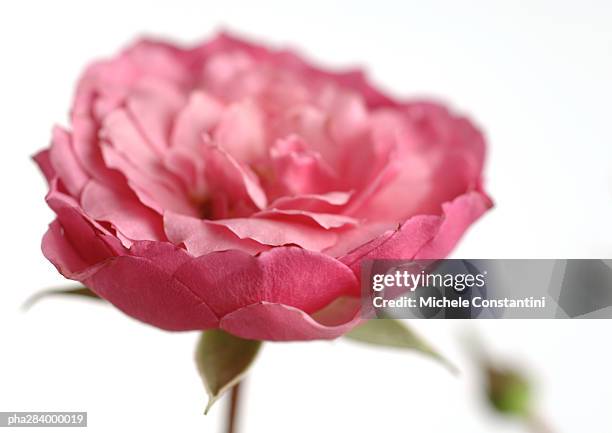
x: 535, y: 75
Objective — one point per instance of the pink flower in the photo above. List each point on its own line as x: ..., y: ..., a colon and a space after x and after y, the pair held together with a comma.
x: 233, y: 186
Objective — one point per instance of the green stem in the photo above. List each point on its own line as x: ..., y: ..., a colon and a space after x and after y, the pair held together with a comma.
x: 233, y: 409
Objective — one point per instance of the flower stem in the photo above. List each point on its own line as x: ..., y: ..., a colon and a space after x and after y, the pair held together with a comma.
x: 233, y: 409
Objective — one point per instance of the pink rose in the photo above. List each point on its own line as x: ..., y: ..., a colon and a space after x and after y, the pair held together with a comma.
x: 236, y: 187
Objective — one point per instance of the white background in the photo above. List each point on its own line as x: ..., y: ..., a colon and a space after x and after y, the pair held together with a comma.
x: 534, y: 74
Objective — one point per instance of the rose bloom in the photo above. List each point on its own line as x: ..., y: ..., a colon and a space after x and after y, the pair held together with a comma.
x: 232, y: 186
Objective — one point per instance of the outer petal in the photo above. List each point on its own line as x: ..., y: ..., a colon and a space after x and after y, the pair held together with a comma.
x: 458, y: 215
x: 424, y: 236
x: 144, y: 288
x: 65, y: 164
x: 60, y: 251
x: 278, y: 322
x: 256, y: 297
x: 75, y: 244
x: 231, y: 280
x: 43, y: 160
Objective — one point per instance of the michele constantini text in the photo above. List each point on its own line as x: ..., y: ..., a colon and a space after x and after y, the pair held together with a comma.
x: 444, y: 302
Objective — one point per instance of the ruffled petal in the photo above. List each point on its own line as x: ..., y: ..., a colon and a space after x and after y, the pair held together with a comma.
x: 302, y: 279
x: 328, y: 202
x: 199, y: 116
x: 241, y: 132
x: 123, y: 211
x: 277, y: 232
x: 324, y: 220
x: 301, y: 170
x: 202, y: 236
x: 278, y: 322
x: 237, y: 181
x: 43, y: 160
x: 65, y: 164
x: 424, y: 236
x: 75, y: 244
x: 143, y: 286
x: 154, y: 104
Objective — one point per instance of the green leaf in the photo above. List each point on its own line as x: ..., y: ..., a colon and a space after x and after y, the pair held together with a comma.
x: 222, y: 361
x: 392, y: 333
x: 76, y: 291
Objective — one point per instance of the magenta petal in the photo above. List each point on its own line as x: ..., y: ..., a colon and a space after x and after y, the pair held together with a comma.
x: 241, y: 132
x: 119, y: 128
x: 202, y: 236
x: 458, y: 215
x: 123, y: 210
x: 278, y: 322
x: 65, y: 163
x: 200, y: 114
x: 325, y: 220
x: 43, y: 160
x: 58, y: 249
x: 301, y: 170
x: 231, y: 280
x: 424, y: 236
x: 237, y: 180
x: 277, y: 232
x: 143, y: 290
x: 328, y: 202
x: 88, y: 151
x: 154, y: 191
x: 74, y: 244
x: 154, y: 106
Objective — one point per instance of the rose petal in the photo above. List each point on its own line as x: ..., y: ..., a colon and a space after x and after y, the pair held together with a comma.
x: 279, y: 232
x: 43, y: 160
x: 123, y: 210
x: 201, y: 113
x: 74, y: 243
x: 278, y: 322
x: 224, y: 173
x: 327, y: 202
x: 241, y: 132
x: 65, y: 163
x: 300, y: 170
x: 154, y: 105
x: 150, y: 186
x: 202, y: 237
x: 424, y: 236
x: 231, y: 280
x: 325, y: 220
x: 143, y: 290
